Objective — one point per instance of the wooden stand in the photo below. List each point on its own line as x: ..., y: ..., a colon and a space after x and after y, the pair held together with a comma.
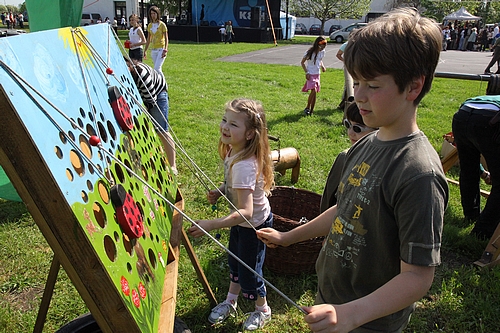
x: 170, y: 287
x: 29, y: 173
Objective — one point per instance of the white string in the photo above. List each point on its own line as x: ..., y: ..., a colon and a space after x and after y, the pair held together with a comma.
x: 185, y: 154
x: 14, y: 75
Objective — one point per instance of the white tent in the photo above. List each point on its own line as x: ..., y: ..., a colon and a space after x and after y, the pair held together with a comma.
x: 292, y: 21
x: 462, y: 15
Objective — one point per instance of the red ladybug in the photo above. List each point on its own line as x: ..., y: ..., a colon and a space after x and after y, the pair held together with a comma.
x: 120, y: 109
x: 128, y: 214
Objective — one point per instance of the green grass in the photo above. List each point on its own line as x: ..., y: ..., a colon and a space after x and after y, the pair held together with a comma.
x: 462, y: 298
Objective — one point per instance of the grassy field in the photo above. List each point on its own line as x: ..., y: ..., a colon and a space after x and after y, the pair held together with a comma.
x: 463, y: 298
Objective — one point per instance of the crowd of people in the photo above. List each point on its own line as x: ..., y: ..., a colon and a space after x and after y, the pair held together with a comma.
x: 469, y: 36
x: 12, y: 20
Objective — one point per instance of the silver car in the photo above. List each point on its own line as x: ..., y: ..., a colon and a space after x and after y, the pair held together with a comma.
x: 342, y: 35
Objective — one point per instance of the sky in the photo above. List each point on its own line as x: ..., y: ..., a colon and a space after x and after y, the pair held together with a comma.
x: 11, y: 2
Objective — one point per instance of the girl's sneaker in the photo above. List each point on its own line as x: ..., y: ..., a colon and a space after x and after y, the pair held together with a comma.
x: 221, y: 312
x: 307, y: 112
x: 257, y: 320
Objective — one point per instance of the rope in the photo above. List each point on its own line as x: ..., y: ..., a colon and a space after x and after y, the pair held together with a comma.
x: 197, y: 171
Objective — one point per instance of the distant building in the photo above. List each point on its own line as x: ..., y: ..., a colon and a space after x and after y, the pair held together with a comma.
x: 112, y: 9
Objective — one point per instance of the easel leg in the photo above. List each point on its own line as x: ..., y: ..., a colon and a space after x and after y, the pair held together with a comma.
x: 197, y: 268
x: 47, y: 295
x: 491, y: 254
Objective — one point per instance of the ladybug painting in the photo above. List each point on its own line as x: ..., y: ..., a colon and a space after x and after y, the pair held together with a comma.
x: 127, y: 212
x: 120, y: 108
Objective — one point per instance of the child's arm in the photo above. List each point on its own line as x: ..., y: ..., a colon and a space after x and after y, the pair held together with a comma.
x: 323, y: 68
x: 303, y: 64
x: 404, y: 289
x: 165, y: 50
x: 143, y: 38
x: 245, y: 209
x: 340, y: 55
x: 320, y: 226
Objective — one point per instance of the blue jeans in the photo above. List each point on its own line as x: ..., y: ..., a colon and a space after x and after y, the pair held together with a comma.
x: 161, y: 115
x: 473, y: 137
x: 243, y: 242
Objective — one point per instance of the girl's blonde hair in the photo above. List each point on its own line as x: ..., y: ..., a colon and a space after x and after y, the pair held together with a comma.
x: 134, y: 16
x: 257, y: 146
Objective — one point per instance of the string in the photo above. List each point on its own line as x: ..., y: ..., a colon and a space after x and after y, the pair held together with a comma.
x: 139, y: 178
x: 89, y: 97
x: 18, y: 79
x: 185, y: 154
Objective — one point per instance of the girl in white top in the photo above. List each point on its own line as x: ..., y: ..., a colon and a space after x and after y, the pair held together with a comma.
x: 248, y: 178
x: 136, y: 38
x: 314, y: 59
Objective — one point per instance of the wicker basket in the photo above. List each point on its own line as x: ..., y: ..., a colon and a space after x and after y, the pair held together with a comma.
x: 289, y: 206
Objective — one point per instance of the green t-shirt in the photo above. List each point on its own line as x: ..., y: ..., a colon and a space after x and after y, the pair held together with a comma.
x: 391, y: 201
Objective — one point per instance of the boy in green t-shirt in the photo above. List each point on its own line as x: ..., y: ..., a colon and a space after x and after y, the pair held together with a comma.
x: 383, y: 237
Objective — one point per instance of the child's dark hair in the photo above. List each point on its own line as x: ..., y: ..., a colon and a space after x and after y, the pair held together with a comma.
x: 352, y: 114
x: 315, y: 48
x: 401, y: 43
x: 157, y: 11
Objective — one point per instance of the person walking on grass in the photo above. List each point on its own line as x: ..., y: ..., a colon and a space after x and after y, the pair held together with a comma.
x: 248, y: 178
x: 312, y: 63
x: 381, y: 248
x: 157, y: 39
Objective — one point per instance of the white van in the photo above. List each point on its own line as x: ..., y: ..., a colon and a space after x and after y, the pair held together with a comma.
x: 88, y: 19
x: 342, y: 35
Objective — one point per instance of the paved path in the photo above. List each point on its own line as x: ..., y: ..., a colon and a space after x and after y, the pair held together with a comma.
x: 459, y: 62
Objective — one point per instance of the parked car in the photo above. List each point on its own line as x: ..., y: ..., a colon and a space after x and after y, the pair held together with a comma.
x: 300, y: 29
x: 334, y: 27
x: 315, y: 29
x: 89, y: 18
x: 342, y: 35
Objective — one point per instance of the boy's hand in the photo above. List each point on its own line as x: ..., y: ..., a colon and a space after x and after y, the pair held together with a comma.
x: 325, y: 318
x: 271, y: 237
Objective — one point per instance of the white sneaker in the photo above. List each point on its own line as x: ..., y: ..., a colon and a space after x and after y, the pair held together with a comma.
x: 221, y: 312
x: 257, y: 320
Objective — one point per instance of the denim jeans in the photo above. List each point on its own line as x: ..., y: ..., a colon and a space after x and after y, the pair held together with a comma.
x: 160, y: 115
x: 473, y: 137
x: 243, y: 242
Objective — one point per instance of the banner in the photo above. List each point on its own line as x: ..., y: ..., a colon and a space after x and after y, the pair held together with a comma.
x: 218, y: 12
x: 52, y: 14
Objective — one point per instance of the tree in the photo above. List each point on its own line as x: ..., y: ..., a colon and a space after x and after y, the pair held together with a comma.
x: 171, y: 6
x: 390, y: 4
x: 438, y: 9
x: 325, y: 10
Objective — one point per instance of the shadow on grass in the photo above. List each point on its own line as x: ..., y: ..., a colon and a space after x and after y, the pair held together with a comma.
x: 12, y: 211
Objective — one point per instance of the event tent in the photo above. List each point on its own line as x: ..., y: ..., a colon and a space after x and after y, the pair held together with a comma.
x: 462, y: 15
x: 292, y: 21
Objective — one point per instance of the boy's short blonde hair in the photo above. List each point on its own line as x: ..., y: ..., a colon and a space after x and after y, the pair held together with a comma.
x: 400, y: 43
